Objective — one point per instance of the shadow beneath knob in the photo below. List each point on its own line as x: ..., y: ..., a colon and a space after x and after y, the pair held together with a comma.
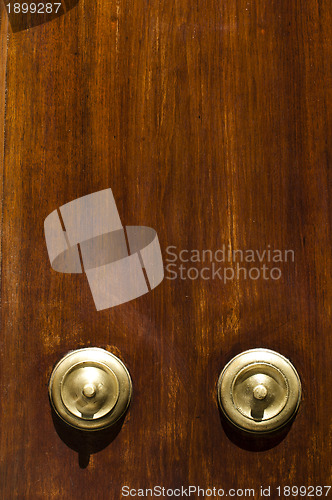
x: 86, y: 443
x: 251, y: 441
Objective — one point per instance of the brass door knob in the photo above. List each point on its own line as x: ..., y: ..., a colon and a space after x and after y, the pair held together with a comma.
x: 259, y: 391
x: 90, y: 389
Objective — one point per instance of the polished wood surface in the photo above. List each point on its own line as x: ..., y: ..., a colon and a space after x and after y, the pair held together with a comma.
x: 209, y: 120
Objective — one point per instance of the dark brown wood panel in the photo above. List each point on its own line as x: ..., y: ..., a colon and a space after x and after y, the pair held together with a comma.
x: 209, y: 122
x: 3, y: 67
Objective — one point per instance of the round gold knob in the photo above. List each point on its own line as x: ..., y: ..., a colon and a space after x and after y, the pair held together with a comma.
x: 259, y: 391
x: 90, y: 389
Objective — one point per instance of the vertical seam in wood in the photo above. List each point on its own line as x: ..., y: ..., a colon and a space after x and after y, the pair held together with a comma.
x: 67, y: 239
x: 3, y: 108
x: 140, y: 258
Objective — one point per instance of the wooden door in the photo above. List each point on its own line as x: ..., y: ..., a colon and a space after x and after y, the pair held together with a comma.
x: 209, y: 121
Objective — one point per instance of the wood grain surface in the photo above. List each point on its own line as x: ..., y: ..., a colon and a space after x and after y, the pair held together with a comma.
x: 209, y: 120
